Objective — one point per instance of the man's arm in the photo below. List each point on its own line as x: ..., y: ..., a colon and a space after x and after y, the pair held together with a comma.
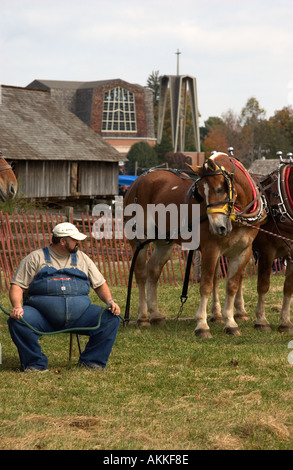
x: 16, y: 295
x: 104, y: 294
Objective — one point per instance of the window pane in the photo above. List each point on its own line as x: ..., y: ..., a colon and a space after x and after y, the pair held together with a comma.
x: 121, y: 101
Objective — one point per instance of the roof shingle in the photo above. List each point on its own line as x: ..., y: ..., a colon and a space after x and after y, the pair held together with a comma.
x: 34, y: 126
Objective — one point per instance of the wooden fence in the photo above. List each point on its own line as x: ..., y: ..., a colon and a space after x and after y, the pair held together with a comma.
x: 22, y: 233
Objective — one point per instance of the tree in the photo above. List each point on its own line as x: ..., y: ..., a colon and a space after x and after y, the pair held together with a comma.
x: 216, y: 140
x: 177, y: 160
x: 282, y: 123
x: 164, y: 147
x: 143, y: 154
x: 251, y: 134
x: 252, y: 113
x: 221, y: 133
x: 153, y: 83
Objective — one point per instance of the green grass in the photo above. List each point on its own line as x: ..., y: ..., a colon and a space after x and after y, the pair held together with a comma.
x: 163, y: 387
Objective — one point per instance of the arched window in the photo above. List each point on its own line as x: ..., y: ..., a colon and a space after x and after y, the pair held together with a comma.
x: 119, y: 111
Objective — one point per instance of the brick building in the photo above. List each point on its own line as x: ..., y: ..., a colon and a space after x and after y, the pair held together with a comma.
x: 120, y: 112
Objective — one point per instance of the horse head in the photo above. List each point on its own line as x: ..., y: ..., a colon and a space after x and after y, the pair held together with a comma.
x: 217, y: 190
x: 8, y: 181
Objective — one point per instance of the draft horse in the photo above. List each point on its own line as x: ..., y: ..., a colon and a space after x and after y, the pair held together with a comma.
x: 274, y: 240
x: 8, y: 182
x: 226, y: 195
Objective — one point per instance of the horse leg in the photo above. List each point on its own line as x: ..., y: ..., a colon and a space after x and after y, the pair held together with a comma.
x: 216, y: 306
x: 161, y: 254
x: 263, y: 285
x: 235, y: 273
x: 286, y: 325
x: 208, y: 267
x: 140, y: 271
x: 240, y: 312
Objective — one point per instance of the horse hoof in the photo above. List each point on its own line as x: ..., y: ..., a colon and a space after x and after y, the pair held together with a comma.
x: 216, y: 319
x: 201, y: 333
x: 158, y: 321
x: 265, y: 327
x: 241, y: 316
x: 143, y: 323
x: 285, y: 329
x: 232, y: 331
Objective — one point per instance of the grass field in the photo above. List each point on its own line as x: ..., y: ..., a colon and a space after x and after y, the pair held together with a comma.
x: 163, y: 387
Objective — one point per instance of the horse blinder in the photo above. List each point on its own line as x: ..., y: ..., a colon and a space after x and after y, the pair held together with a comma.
x: 228, y: 203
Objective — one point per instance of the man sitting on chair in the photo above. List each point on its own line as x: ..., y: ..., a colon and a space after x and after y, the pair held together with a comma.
x: 50, y: 290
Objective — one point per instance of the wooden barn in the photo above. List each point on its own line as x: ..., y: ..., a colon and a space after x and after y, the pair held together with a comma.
x: 54, y: 154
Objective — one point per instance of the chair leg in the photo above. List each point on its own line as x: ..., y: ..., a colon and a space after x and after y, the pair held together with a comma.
x: 70, y: 345
x: 78, y: 342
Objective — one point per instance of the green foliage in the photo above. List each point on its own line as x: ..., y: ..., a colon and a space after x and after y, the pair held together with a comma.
x: 252, y: 114
x: 153, y: 83
x: 251, y: 134
x: 143, y: 154
x: 164, y: 147
x: 18, y: 205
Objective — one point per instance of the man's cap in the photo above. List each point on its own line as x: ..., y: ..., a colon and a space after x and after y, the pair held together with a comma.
x: 68, y: 230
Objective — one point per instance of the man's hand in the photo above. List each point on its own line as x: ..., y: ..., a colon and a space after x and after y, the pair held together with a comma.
x: 114, y: 307
x: 16, y: 313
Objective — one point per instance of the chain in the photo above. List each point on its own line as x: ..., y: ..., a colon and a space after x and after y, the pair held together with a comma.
x: 285, y: 239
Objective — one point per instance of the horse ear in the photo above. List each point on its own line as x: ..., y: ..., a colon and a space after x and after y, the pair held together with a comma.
x: 195, y: 169
x: 211, y: 164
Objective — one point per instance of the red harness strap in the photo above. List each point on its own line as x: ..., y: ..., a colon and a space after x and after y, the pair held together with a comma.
x: 251, y: 185
x: 288, y: 192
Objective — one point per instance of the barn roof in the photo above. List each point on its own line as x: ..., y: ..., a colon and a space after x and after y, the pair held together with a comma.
x: 34, y: 126
x: 264, y: 167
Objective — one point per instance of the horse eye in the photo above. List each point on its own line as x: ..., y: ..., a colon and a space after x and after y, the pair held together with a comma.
x: 219, y: 190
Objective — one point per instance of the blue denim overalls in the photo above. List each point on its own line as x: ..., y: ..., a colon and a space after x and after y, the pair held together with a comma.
x: 61, y: 295
x: 58, y: 299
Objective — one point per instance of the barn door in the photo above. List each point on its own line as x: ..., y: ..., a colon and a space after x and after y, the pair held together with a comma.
x: 74, y: 179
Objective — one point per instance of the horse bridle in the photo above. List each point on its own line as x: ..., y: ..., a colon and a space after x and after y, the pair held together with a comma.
x: 228, y: 203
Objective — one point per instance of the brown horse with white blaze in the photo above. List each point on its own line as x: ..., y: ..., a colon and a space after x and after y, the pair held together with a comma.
x: 8, y: 181
x: 224, y: 194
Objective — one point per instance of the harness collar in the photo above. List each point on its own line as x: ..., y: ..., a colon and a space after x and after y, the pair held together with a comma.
x: 257, y: 212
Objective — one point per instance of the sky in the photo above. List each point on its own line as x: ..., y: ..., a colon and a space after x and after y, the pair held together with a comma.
x: 235, y: 49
